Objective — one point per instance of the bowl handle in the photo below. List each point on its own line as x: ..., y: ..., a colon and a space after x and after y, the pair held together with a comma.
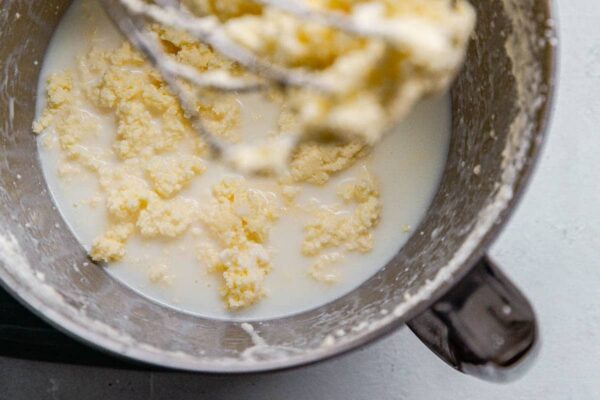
x: 483, y: 327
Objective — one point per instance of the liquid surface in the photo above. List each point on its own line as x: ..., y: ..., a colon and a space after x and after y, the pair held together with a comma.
x: 407, y: 165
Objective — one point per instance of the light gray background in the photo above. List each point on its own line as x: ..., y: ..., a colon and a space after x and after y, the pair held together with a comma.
x: 551, y: 249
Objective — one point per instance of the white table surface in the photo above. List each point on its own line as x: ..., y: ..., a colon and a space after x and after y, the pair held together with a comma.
x: 551, y: 249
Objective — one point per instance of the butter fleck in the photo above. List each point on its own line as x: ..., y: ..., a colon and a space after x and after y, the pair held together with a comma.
x: 321, y: 269
x: 158, y: 274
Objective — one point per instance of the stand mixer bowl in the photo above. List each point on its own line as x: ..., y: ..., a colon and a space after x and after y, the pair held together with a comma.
x: 440, y: 282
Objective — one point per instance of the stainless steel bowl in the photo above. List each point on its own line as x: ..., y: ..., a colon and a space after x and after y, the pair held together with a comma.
x: 440, y: 283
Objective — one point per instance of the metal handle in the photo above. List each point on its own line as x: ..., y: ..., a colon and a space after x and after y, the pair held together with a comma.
x: 483, y: 327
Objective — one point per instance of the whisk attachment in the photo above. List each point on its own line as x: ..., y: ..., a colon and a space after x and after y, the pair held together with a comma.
x: 210, y: 31
x: 436, y: 49
x: 131, y: 17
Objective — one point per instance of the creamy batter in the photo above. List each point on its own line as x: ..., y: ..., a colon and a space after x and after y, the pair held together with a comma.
x: 171, y: 256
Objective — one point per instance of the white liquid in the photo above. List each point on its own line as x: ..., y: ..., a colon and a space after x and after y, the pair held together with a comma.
x: 408, y: 165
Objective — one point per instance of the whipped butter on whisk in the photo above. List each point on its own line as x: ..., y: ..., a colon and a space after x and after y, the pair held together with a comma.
x: 347, y: 69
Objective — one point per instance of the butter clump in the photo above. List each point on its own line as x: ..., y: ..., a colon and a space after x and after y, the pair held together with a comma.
x: 126, y: 194
x: 169, y: 175
x: 352, y: 231
x: 58, y: 95
x: 239, y: 219
x: 110, y: 246
x: 316, y: 162
x: 167, y: 218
